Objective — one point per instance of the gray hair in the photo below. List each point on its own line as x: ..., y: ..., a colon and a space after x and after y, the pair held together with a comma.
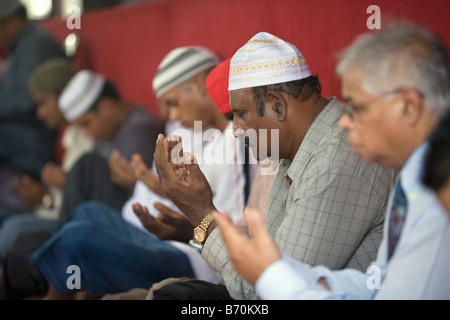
x: 403, y: 55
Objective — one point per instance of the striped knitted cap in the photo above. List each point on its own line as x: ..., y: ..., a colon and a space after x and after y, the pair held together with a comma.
x: 80, y: 94
x: 266, y: 59
x: 181, y: 64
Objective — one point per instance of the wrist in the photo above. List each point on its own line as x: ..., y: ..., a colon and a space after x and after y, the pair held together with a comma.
x: 204, y: 228
x: 201, y: 213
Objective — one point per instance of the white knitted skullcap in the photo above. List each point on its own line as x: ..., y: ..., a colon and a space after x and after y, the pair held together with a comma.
x: 80, y: 94
x: 266, y: 59
x: 180, y: 64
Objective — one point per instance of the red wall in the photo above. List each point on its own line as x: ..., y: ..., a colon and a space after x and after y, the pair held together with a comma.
x: 127, y: 43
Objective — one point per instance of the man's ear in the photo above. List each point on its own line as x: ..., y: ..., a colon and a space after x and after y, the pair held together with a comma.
x: 278, y: 104
x: 414, y: 105
x: 198, y: 84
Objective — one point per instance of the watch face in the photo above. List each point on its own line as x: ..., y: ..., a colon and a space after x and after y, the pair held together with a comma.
x: 199, y: 235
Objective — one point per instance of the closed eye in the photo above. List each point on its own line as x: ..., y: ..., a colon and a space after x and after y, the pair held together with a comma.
x: 239, y: 114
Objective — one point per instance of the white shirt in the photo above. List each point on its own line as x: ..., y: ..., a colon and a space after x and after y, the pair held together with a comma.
x: 222, y: 168
x: 418, y: 268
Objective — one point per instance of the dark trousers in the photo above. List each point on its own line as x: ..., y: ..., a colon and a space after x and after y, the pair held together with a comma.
x: 21, y: 278
x: 89, y: 179
x: 192, y: 290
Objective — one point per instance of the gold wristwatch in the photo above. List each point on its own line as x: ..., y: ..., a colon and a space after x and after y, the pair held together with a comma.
x: 200, y: 232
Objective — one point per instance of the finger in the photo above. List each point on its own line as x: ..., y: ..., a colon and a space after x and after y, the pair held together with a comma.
x: 114, y: 154
x: 160, y: 156
x: 139, y: 210
x: 230, y: 233
x: 169, y: 216
x: 163, y: 209
x: 255, y: 223
x: 137, y: 164
x: 136, y: 159
x: 164, y: 167
x: 176, y: 150
x: 194, y: 170
x: 144, y: 216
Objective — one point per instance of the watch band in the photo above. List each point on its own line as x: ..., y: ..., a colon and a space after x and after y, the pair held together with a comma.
x: 200, y: 233
x: 206, y: 222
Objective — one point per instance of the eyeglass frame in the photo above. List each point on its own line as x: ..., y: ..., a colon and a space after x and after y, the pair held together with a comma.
x: 349, y: 110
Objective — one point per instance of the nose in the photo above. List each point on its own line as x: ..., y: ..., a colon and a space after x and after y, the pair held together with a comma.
x: 345, y: 122
x: 174, y: 114
x: 238, y: 126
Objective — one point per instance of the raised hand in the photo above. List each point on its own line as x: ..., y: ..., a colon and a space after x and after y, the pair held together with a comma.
x: 250, y: 255
x: 53, y: 175
x: 121, y: 170
x: 182, y: 180
x: 168, y: 225
x: 29, y: 190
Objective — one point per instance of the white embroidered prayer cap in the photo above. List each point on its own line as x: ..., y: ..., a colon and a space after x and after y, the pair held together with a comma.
x: 80, y: 94
x: 266, y: 59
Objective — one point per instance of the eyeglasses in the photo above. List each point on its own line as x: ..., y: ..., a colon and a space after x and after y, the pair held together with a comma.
x: 351, y: 109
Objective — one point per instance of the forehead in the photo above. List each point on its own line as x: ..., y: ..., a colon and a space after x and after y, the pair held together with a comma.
x: 174, y: 93
x: 352, y: 83
x: 44, y: 95
x: 241, y: 99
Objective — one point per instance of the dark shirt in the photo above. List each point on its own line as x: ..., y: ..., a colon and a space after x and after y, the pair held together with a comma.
x: 33, y: 46
x: 137, y: 134
x: 26, y: 144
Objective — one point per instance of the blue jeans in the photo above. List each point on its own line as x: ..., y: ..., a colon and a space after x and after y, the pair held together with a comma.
x: 112, y: 255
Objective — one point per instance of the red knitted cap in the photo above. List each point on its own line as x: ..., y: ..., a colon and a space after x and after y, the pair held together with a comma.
x: 217, y: 86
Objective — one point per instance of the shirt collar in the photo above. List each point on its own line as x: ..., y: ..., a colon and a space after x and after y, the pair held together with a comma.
x: 410, y: 174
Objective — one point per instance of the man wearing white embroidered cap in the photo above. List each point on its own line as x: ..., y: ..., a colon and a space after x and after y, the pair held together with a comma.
x: 326, y: 205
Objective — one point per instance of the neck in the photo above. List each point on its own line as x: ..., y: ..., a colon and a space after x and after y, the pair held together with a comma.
x: 123, y: 111
x: 307, y: 112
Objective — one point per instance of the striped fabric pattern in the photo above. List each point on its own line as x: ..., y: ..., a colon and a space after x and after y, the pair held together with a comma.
x: 180, y: 64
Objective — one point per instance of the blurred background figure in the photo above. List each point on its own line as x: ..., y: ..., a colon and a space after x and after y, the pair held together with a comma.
x: 26, y: 143
x: 46, y: 84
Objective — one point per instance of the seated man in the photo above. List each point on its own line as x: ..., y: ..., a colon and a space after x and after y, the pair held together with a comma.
x: 92, y: 104
x: 29, y: 143
x: 326, y: 205
x: 119, y: 128
x: 394, y: 105
x: 121, y: 256
x: 46, y: 84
